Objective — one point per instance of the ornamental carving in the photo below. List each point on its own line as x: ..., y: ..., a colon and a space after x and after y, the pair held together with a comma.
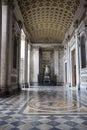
x: 48, y: 19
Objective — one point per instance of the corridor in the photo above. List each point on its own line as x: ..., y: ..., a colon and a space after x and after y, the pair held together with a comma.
x: 43, y: 64
x: 44, y: 108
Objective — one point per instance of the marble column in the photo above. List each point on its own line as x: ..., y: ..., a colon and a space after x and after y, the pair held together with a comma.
x: 35, y: 67
x: 56, y: 63
x: 3, y: 84
x: 68, y: 66
x: 22, y: 59
x: 26, y: 63
x: 10, y: 43
x: 0, y: 36
x: 19, y: 49
x: 77, y: 62
x: 31, y: 65
x: 28, y: 67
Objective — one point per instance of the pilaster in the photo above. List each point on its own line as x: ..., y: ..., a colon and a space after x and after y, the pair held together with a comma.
x: 3, y: 48
x: 28, y: 66
x: 35, y: 65
x: 31, y: 65
x: 26, y: 62
x: 9, y: 43
x: 56, y: 63
x: 68, y: 66
x: 77, y: 61
x: 19, y: 49
x: 60, y: 66
x: 0, y: 36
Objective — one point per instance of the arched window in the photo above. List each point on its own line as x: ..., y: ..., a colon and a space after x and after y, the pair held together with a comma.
x: 83, y: 52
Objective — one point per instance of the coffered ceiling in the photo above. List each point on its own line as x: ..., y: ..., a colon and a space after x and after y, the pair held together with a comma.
x: 48, y: 20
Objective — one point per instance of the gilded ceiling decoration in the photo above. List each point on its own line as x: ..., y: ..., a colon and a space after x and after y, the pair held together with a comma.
x: 48, y: 20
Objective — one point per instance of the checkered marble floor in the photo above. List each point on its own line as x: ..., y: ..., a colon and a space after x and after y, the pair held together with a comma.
x: 13, y: 118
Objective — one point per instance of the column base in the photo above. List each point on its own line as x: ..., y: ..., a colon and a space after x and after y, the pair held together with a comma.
x: 9, y: 92
x: 34, y: 84
x: 4, y: 93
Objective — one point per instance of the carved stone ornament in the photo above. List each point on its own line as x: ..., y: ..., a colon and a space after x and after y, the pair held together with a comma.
x: 48, y: 19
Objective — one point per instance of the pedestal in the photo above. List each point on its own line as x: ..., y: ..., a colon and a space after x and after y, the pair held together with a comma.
x: 46, y: 80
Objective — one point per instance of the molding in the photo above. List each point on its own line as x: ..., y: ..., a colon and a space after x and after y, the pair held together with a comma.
x: 79, y: 13
x: 19, y: 17
x: 47, y: 45
x: 34, y: 83
x: 84, y: 71
x: 3, y: 94
x: 18, y: 12
x: 4, y: 2
x: 81, y: 27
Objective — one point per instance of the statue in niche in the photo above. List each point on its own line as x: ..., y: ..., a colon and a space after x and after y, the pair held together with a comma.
x: 47, y: 71
x: 46, y: 79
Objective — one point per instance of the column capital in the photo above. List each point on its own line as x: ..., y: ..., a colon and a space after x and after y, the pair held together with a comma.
x: 4, y: 2
x: 61, y: 48
x: 11, y: 4
x: 85, y: 27
x: 76, y: 23
x: 27, y: 40
x: 20, y: 24
x: 29, y: 47
x: 55, y: 48
x: 35, y: 47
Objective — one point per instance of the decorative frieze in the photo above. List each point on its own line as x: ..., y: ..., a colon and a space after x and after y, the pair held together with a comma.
x: 46, y: 55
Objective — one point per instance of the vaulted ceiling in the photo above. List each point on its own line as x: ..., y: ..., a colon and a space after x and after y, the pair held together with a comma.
x: 48, y: 20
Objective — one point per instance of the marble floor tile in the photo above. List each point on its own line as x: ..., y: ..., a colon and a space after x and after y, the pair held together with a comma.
x: 47, y: 108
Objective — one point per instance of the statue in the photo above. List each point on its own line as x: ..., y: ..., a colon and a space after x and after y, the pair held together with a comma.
x: 46, y: 79
x: 46, y: 70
